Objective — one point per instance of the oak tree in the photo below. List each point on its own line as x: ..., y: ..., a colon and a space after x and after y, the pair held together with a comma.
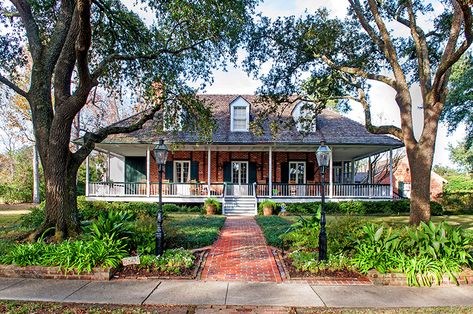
x: 399, y: 43
x: 77, y: 45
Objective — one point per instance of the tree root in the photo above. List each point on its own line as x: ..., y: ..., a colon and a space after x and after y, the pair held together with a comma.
x: 42, y: 231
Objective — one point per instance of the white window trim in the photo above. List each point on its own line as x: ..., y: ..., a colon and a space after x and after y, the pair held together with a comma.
x: 305, y: 170
x: 175, y: 170
x: 238, y: 103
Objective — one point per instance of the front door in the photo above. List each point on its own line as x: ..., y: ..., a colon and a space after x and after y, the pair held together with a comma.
x: 297, y: 177
x: 182, y: 177
x: 240, y: 178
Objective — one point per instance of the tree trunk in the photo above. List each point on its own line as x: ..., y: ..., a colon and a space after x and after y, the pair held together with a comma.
x: 61, y: 203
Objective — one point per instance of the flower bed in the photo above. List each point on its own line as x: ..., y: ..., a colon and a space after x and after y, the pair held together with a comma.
x: 177, y: 264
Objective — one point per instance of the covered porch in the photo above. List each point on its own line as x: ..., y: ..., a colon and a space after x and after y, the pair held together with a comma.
x: 284, y: 173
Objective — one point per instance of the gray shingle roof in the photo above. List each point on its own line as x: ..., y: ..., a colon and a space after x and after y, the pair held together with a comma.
x: 332, y: 127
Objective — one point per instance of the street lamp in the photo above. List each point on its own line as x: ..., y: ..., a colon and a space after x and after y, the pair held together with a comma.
x: 161, y: 155
x: 323, y: 160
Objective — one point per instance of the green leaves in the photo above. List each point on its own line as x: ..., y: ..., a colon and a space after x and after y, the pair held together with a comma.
x: 424, y: 253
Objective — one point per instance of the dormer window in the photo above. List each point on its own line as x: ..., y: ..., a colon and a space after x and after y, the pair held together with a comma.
x: 305, y: 117
x: 173, y: 118
x: 240, y: 115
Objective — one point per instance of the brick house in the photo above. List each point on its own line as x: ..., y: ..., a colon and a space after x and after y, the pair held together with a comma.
x: 238, y: 167
x: 402, y: 181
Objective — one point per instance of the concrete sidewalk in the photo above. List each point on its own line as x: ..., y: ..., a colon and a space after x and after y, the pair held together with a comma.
x: 229, y: 293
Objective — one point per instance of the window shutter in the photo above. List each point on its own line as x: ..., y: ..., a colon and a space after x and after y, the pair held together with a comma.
x: 227, y: 172
x: 284, y: 172
x: 310, y: 171
x: 251, y: 172
x: 169, y: 171
x: 195, y: 170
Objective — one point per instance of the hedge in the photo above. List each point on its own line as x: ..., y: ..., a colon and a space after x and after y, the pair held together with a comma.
x: 459, y: 202
x: 360, y: 207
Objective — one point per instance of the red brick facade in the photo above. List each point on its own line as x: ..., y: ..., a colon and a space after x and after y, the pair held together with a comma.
x: 218, y: 158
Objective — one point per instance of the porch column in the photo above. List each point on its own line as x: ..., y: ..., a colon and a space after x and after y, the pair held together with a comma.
x: 87, y: 176
x: 148, y: 171
x: 352, y: 171
x: 330, y: 175
x: 209, y: 169
x: 391, y: 173
x: 370, y: 177
x: 270, y: 174
x: 108, y: 167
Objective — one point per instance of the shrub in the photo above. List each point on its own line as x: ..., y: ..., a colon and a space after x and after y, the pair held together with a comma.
x: 304, y: 234
x: 343, y: 232
x: 192, y: 232
x: 359, y: 207
x: 458, y: 202
x: 116, y: 225
x: 171, y: 208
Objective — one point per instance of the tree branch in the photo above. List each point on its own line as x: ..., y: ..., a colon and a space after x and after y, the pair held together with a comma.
x: 422, y: 52
x: 91, y: 138
x: 355, y: 4
x: 32, y: 30
x: 121, y: 57
x: 383, y: 129
x: 13, y: 86
x: 462, y: 12
x: 60, y: 34
x: 359, y: 72
x: 389, y: 51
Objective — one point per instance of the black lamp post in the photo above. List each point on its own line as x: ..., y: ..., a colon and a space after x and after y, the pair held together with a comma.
x: 323, y: 159
x: 161, y: 155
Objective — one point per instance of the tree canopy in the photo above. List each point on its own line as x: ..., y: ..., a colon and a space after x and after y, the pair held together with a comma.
x: 398, y: 43
x: 458, y: 108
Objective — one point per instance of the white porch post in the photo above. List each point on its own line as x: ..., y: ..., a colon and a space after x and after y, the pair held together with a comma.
x: 270, y: 174
x: 330, y: 175
x: 391, y: 173
x: 148, y: 171
x: 36, y: 192
x: 108, y: 168
x: 87, y: 176
x: 370, y: 177
x: 209, y: 169
x: 352, y: 171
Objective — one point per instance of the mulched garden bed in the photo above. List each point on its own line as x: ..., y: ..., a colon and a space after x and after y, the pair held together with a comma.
x: 133, y: 271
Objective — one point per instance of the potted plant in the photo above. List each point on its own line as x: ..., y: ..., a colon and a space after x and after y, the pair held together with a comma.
x: 211, y: 205
x: 268, y: 207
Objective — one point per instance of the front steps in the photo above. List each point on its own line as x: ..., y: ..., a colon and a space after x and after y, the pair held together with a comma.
x: 240, y: 205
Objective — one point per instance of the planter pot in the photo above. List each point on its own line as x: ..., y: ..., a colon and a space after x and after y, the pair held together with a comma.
x: 211, y: 209
x: 267, y: 211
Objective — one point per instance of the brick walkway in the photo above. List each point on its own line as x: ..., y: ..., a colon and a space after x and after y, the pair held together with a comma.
x: 241, y: 254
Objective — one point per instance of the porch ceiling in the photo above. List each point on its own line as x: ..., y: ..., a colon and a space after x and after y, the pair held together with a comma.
x: 339, y: 152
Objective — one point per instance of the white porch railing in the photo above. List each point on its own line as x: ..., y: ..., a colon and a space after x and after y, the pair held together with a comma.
x: 259, y: 190
x: 140, y: 189
x: 315, y: 190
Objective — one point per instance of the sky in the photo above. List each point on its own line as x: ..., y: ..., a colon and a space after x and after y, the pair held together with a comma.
x: 384, y: 107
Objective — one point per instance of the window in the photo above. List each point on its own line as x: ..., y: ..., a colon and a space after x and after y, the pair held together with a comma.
x: 297, y: 172
x: 240, y: 115
x: 305, y: 117
x: 182, y: 171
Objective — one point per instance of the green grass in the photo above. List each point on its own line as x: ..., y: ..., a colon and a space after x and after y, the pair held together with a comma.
x: 192, y: 231
x: 273, y: 227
